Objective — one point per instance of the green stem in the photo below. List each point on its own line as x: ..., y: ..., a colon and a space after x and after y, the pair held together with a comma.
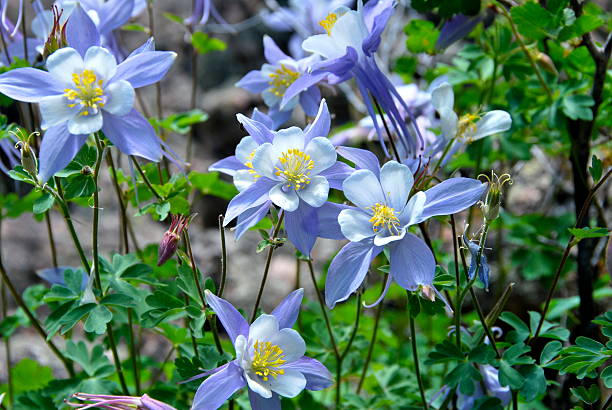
x: 415, y: 357
x: 123, y: 221
x: 146, y: 179
x: 355, y: 328
x: 371, y: 347
x: 51, y: 239
x: 458, y: 285
x: 134, y: 352
x: 117, y: 361
x: 223, y: 258
x: 267, y: 266
x: 96, y: 213
x: 7, y: 347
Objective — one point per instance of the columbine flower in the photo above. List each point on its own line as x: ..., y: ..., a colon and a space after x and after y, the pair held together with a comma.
x: 470, y: 127
x: 483, y: 266
x: 456, y: 28
x: 348, y: 47
x: 269, y: 360
x: 384, y: 211
x: 202, y: 10
x: 14, y: 38
x: 275, y: 77
x: 85, y: 91
x: 294, y: 169
x: 171, y: 238
x: 117, y: 402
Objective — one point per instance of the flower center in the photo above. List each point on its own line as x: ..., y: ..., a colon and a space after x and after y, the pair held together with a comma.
x: 328, y: 22
x: 295, y: 167
x: 384, y: 216
x: 467, y: 125
x: 267, y: 359
x: 87, y: 92
x: 281, y: 79
x: 249, y: 164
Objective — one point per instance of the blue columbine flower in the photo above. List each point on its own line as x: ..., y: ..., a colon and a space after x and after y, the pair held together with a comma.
x: 294, y: 169
x: 275, y: 77
x: 269, y: 360
x: 348, y: 47
x: 85, y: 91
x: 202, y: 10
x: 384, y: 211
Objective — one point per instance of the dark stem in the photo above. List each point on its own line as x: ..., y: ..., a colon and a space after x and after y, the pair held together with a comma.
x: 223, y: 258
x: 371, y: 347
x: 122, y: 209
x: 355, y: 328
x: 192, y: 105
x: 117, y: 361
x: 458, y: 285
x: 158, y: 372
x: 415, y: 357
x: 51, y: 239
x: 387, y: 130
x: 7, y: 346
x: 134, y: 355
x: 146, y: 179
x: 96, y: 213
x: 267, y: 266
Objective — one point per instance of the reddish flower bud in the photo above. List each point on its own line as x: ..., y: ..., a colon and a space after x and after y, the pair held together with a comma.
x: 171, y: 238
x: 57, y: 37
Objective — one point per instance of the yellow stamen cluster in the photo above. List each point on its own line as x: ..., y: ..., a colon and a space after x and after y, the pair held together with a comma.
x: 249, y: 164
x: 281, y: 79
x: 267, y: 359
x: 328, y: 22
x: 296, y: 167
x: 467, y: 124
x: 384, y: 216
x: 87, y: 92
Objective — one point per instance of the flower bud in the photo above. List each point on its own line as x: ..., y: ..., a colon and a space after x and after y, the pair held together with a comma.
x: 57, y: 37
x: 28, y: 157
x: 171, y: 238
x: 490, y: 206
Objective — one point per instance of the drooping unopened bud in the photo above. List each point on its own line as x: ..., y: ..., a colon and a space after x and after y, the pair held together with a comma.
x: 171, y: 238
x: 428, y: 292
x: 490, y: 206
x: 28, y: 157
x: 88, y: 401
x: 57, y: 37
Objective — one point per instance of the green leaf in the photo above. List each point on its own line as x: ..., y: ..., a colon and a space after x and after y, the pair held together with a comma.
x: 550, y: 351
x: 29, y: 375
x: 43, y: 204
x: 513, y: 320
x: 581, y: 26
x: 20, y: 174
x: 578, y: 107
x: 422, y: 36
x: 181, y: 123
x: 535, y: 382
x: 606, y: 376
x: 509, y: 376
x: 70, y: 319
x: 134, y: 27
x: 596, y: 169
x: 95, y: 364
x: 444, y: 352
x: 79, y: 186
x: 174, y: 18
x: 97, y: 320
x: 589, y: 396
x: 533, y: 20
x: 162, y: 210
x: 118, y: 299
x: 584, y: 233
x: 210, y: 184
x: 203, y: 43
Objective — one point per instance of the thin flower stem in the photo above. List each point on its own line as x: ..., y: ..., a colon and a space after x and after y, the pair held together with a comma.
x: 117, y: 361
x: 387, y: 130
x: 324, y: 310
x: 439, y: 162
x: 134, y: 355
x: 159, y: 371
x: 267, y: 266
x: 458, y: 285
x: 51, y: 239
x: 415, y: 357
x: 59, y: 196
x: 194, y: 342
x: 158, y: 93
x: 570, y: 244
x: 193, y: 102
x: 122, y: 209
x: 355, y: 328
x: 146, y: 179
x: 483, y: 240
x: 7, y: 346
x: 96, y: 212
x: 371, y: 347
x: 223, y: 258
x: 608, y: 403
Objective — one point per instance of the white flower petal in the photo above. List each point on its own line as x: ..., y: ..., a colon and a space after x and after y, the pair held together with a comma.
x: 411, y: 214
x: 355, y: 225
x: 244, y: 178
x: 85, y: 124
x: 323, y: 45
x: 55, y: 110
x: 383, y: 238
x: 120, y: 98
x: 257, y: 385
x: 291, y: 343
x: 263, y: 328
x: 363, y: 189
x: 265, y: 160
x: 350, y: 31
x: 286, y: 139
x: 284, y: 197
x: 396, y: 181
x: 491, y: 123
x: 245, y: 148
x: 289, y: 384
x: 315, y: 194
x: 241, y: 347
x: 322, y: 152
x: 442, y: 97
x: 63, y: 63
x: 101, y: 62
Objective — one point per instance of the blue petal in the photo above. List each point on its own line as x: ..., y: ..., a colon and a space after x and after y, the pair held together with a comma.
x: 317, y: 375
x: 133, y: 135
x: 355, y: 224
x: 253, y: 81
x: 215, y: 390
x: 363, y: 159
x: 309, y: 100
x: 250, y: 218
x: 58, y: 148
x: 316, y: 192
x: 272, y: 52
x: 29, y: 84
x: 261, y: 403
x: 259, y: 131
x: 230, y: 318
x: 348, y: 269
x: 452, y: 196
x: 304, y: 82
x: 228, y: 165
x: 336, y: 174
x: 483, y: 267
x: 81, y: 31
x: 372, y: 41
x: 396, y: 181
x: 321, y: 124
x: 455, y: 29
x: 287, y: 311
x: 301, y: 226
x: 327, y: 220
x: 148, y: 45
x: 363, y: 189
x: 145, y: 68
x: 411, y: 262
x: 114, y: 14
x: 251, y: 197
